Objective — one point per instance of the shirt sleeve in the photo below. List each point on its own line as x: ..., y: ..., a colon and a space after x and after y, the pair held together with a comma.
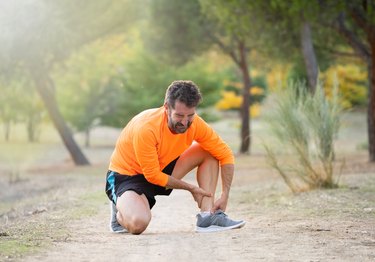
x: 213, y: 143
x: 145, y: 144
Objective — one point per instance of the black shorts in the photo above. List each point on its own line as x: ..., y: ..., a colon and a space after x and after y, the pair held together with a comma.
x: 117, y: 184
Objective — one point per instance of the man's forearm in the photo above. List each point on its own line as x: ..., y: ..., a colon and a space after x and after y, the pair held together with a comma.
x: 227, y: 173
x: 175, y: 183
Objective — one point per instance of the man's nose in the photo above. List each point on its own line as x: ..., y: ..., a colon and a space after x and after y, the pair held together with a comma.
x: 184, y: 121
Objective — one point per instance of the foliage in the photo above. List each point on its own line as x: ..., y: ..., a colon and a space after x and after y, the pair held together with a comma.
x: 352, y: 82
x: 145, y: 74
x: 9, y: 100
x: 38, y: 34
x: 43, y: 32
x: 231, y: 97
x: 115, y: 77
x: 230, y: 100
x: 305, y: 127
x: 283, y: 39
x: 33, y: 113
x: 277, y: 76
x: 89, y: 73
x: 177, y: 31
x: 236, y: 20
x: 20, y: 103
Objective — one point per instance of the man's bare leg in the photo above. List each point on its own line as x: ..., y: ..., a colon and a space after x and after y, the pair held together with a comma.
x: 134, y: 212
x: 207, y: 173
x: 207, y: 177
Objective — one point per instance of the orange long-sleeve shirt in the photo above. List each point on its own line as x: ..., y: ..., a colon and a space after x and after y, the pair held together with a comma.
x: 146, y: 145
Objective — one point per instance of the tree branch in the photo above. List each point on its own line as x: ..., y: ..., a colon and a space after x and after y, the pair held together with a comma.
x: 225, y: 48
x: 352, y: 38
x: 337, y: 53
x: 360, y: 19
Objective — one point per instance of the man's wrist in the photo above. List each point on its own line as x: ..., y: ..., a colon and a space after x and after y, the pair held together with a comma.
x: 225, y: 193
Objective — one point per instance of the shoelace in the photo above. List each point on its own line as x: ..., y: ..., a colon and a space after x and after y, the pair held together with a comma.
x: 220, y: 213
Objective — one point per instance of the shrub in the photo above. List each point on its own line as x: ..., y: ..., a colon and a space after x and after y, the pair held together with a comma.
x: 353, y: 83
x: 305, y: 126
x: 231, y: 97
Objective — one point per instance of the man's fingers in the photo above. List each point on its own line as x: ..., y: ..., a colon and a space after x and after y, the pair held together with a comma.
x: 205, y: 193
x: 214, y: 208
x: 208, y: 194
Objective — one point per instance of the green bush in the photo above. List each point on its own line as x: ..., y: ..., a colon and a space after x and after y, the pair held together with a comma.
x: 305, y: 127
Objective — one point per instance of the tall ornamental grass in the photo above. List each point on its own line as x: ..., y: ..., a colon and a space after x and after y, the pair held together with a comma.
x: 303, y: 128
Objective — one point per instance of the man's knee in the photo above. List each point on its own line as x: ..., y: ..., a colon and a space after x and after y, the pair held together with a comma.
x: 134, y: 225
x: 134, y: 212
x: 137, y: 225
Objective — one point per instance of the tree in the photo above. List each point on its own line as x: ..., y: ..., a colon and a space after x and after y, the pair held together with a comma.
x: 292, y: 35
x: 20, y: 104
x: 239, y: 31
x: 301, y: 14
x: 90, y: 72
x: 10, y: 101
x: 226, y: 24
x: 177, y: 33
x: 145, y: 74
x: 38, y: 34
x: 355, y: 22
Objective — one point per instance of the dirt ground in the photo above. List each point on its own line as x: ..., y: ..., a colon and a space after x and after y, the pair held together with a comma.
x: 58, y: 212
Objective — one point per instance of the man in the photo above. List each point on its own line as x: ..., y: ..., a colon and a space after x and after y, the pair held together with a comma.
x: 156, y: 149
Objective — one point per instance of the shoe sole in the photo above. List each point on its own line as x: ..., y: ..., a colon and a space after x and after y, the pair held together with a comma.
x: 122, y: 231
x: 214, y: 228
x: 119, y: 230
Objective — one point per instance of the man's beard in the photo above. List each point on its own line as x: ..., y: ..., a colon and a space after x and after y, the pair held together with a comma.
x: 177, y: 127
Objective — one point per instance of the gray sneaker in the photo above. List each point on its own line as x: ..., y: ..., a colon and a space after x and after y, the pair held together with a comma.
x: 115, y: 226
x: 217, y: 221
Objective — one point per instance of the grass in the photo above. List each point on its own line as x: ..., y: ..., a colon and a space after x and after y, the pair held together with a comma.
x: 89, y: 204
x: 30, y: 228
x: 40, y: 231
x: 345, y: 201
x: 25, y: 238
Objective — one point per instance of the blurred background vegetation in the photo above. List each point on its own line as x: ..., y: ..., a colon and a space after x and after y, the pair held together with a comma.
x: 82, y: 64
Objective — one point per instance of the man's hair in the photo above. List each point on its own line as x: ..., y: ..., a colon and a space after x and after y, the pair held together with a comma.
x: 184, y: 91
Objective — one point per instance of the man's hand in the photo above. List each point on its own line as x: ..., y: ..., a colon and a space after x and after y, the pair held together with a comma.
x: 227, y: 172
x: 221, y: 204
x: 198, y: 194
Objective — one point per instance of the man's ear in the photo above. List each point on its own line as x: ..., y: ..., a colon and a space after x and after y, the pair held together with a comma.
x: 166, y: 106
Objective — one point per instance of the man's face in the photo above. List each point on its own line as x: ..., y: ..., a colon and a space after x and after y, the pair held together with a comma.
x: 180, y: 117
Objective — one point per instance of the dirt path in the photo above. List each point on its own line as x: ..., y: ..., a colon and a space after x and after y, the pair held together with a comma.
x: 331, y: 225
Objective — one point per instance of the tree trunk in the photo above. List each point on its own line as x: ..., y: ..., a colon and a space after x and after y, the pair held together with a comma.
x: 44, y: 86
x: 32, y: 126
x: 245, y: 115
x: 371, y: 101
x: 367, y: 53
x: 30, y: 130
x: 309, y: 56
x: 87, y: 137
x: 7, y: 130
